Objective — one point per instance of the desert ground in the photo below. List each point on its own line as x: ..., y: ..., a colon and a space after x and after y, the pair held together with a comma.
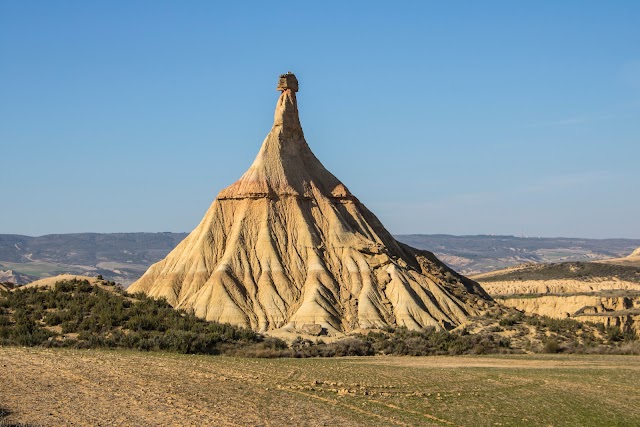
x: 103, y: 388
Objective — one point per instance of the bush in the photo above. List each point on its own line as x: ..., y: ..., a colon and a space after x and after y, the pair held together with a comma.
x: 108, y: 318
x: 551, y: 346
x: 512, y: 320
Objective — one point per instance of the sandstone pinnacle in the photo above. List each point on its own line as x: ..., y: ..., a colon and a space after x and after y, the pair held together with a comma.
x: 288, y: 246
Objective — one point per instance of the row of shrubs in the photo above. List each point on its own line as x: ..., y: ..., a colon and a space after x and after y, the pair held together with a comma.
x: 570, y: 327
x: 399, y: 342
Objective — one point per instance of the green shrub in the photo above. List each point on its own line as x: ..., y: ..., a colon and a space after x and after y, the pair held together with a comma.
x: 108, y: 318
x: 551, y: 346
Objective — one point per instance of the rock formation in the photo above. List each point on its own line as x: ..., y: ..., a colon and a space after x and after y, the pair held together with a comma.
x: 604, y: 291
x: 289, y: 247
x: 10, y: 276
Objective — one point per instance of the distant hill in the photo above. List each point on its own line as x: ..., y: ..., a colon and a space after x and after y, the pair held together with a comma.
x: 124, y: 257
x: 599, y: 292
x: 630, y: 260
x: 583, y: 271
x: 121, y: 257
x: 483, y: 253
x: 89, y: 248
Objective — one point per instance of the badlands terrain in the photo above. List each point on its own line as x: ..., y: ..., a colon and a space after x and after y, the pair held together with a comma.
x: 120, y: 387
x: 121, y: 257
x: 287, y: 249
x: 604, y: 291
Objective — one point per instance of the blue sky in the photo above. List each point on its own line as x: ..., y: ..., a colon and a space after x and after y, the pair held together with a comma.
x: 493, y: 117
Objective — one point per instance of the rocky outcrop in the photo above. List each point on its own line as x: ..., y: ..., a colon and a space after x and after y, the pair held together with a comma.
x: 562, y: 306
x: 557, y: 286
x: 288, y: 246
x: 624, y: 320
x: 601, y: 291
x: 10, y: 276
x: 610, y: 308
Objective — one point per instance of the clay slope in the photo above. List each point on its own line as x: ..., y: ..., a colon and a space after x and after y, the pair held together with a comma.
x: 599, y: 292
x: 560, y: 278
x: 631, y: 260
x: 288, y: 245
x: 49, y: 282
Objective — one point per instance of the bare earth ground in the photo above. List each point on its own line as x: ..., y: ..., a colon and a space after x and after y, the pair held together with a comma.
x: 101, y: 388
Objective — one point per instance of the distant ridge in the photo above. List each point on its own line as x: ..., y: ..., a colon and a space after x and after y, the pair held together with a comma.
x: 124, y: 257
x: 121, y: 257
x: 632, y: 259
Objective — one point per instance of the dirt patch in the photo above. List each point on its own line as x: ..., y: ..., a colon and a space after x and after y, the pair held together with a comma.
x: 103, y: 388
x: 106, y: 388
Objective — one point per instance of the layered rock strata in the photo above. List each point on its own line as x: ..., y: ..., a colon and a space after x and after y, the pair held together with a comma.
x: 288, y: 246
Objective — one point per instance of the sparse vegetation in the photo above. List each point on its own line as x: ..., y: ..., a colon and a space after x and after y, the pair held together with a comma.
x: 544, y: 334
x: 399, y: 342
x: 77, y: 314
x: 567, y: 271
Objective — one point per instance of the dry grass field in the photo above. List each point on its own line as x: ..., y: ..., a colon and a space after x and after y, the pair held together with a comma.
x: 103, y: 388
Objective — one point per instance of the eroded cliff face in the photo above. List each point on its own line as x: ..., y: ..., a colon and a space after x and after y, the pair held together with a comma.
x: 625, y: 321
x: 622, y: 310
x: 607, y: 300
x: 557, y: 286
x: 288, y: 246
x: 563, y: 306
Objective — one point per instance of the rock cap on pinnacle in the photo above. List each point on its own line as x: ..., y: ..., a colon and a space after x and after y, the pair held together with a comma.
x: 287, y: 81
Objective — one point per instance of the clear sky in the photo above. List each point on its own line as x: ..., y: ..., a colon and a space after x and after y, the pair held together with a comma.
x: 492, y: 117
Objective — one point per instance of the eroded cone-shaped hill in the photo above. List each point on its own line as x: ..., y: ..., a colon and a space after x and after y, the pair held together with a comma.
x: 288, y: 245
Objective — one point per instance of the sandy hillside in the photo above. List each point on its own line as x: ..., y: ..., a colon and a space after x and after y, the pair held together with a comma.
x: 288, y: 247
x: 48, y: 282
x: 556, y: 286
x: 632, y: 260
